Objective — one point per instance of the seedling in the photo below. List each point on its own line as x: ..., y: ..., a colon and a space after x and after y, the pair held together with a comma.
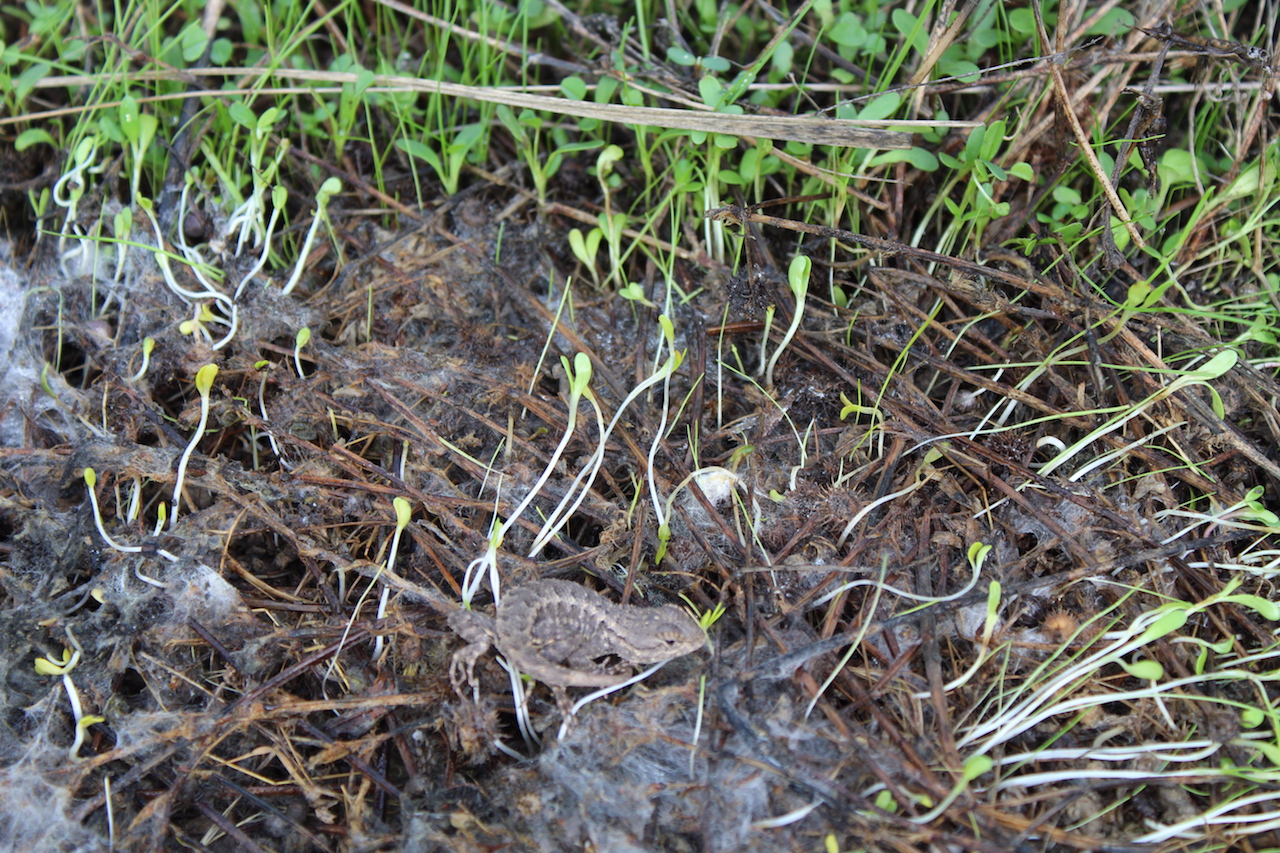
x: 148, y: 344
x: 248, y: 215
x: 585, y: 248
x: 404, y: 512
x: 977, y: 555
x: 673, y: 364
x: 798, y: 279
x: 262, y: 408
x: 70, y: 658
x: 974, y: 767
x: 121, y: 227
x: 449, y: 166
x: 279, y: 196
x: 329, y: 188
x: 581, y: 484
x: 203, y: 314
x: 204, y: 383
x: 1212, y: 369
x: 579, y: 377
x: 611, y: 224
x: 527, y: 131
x: 299, y: 341
x: 924, y: 474
x: 633, y: 292
x: 70, y: 188
x: 91, y: 481
x: 139, y: 130
x: 716, y: 483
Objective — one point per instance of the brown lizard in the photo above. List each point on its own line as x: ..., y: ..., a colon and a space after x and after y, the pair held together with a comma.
x: 555, y: 631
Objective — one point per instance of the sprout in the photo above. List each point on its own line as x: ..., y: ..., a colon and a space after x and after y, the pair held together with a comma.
x: 404, y: 511
x: 122, y: 226
x: 279, y: 196
x: 204, y: 382
x: 327, y: 189
x: 70, y: 658
x: 300, y: 341
x: 148, y: 344
x: 262, y: 407
x: 798, y: 278
x: 91, y: 480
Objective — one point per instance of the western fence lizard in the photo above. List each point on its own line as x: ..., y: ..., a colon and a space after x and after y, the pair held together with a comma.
x: 556, y: 631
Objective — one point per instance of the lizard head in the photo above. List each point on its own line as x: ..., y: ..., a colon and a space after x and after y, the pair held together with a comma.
x: 664, y: 633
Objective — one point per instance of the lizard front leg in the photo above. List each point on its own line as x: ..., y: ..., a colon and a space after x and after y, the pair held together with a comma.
x: 478, y: 630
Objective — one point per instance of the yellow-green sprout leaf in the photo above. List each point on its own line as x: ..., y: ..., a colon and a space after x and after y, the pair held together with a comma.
x: 664, y: 536
x: 739, y: 454
x: 668, y: 329
x: 581, y: 371
x: 33, y: 136
x: 978, y: 554
x: 1147, y: 670
x: 635, y: 293
x: 127, y: 113
x: 1245, y: 184
x: 122, y: 222
x: 1218, y: 365
x: 708, y: 617
x: 44, y: 666
x: 204, y: 379
x: 1264, y: 607
x: 302, y: 338
x: 604, y: 162
x: 1251, y: 718
x: 1138, y: 293
x: 976, y: 766
x: 1165, y: 625
x: 90, y: 477
x: 404, y: 510
x: 44, y: 382
x: 798, y: 274
x: 1270, y: 750
x: 267, y: 120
